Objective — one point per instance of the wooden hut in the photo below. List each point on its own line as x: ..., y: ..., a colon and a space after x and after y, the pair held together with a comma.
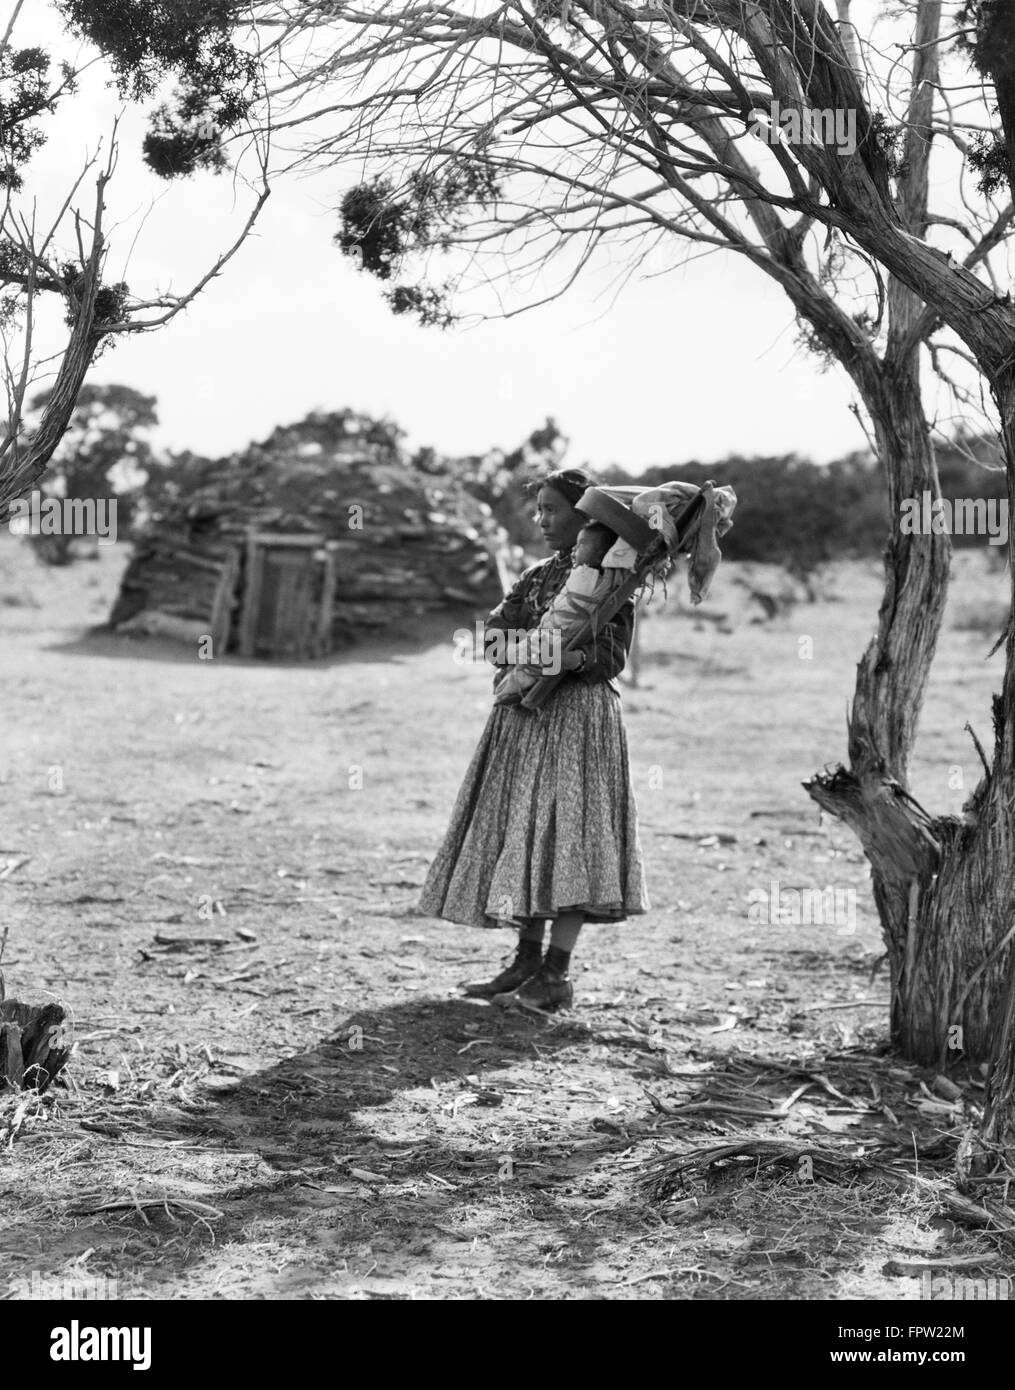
x: 323, y: 533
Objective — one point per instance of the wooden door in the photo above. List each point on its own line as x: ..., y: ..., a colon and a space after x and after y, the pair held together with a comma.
x: 288, y: 597
x: 286, y: 614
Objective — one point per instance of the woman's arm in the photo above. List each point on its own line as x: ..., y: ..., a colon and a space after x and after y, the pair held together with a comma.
x: 606, y: 653
x: 603, y: 657
x: 512, y: 613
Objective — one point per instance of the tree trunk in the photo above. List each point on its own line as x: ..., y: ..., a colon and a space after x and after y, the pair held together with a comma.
x: 26, y: 463
x: 998, y: 1129
x: 913, y: 858
x: 33, y: 1045
x: 942, y: 885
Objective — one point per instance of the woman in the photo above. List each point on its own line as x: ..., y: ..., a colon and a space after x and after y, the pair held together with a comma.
x: 545, y: 824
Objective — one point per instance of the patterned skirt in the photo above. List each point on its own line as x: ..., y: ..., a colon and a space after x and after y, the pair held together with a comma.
x: 545, y: 821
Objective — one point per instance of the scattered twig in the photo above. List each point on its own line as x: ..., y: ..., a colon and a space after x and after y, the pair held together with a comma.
x: 185, y: 943
x: 950, y: 1262
x: 201, y: 1210
x: 853, y: 1004
x: 669, y: 1274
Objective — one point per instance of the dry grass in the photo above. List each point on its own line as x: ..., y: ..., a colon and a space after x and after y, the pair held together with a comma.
x: 223, y: 1135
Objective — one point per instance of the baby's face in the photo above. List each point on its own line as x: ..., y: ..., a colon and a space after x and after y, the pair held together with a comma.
x: 588, y: 549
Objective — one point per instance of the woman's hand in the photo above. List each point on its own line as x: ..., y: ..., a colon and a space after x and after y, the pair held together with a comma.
x: 572, y: 661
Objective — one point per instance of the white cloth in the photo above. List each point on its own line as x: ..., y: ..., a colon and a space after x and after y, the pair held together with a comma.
x: 620, y: 556
x: 660, y: 506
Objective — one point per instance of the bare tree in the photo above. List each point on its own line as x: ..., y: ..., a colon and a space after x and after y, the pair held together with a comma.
x: 64, y: 263
x: 540, y: 131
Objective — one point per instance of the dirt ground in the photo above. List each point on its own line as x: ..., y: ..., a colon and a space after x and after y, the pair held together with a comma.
x: 309, y: 1108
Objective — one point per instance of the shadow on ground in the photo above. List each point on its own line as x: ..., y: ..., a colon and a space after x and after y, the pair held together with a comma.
x: 479, y: 1164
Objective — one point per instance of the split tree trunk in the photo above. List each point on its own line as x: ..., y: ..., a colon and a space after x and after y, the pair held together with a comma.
x: 945, y: 886
x: 912, y: 857
x: 942, y: 886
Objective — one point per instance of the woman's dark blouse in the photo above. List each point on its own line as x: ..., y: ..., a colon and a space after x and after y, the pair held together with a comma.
x: 528, y: 599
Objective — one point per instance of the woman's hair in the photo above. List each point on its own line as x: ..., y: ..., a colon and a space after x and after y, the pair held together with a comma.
x: 569, y: 482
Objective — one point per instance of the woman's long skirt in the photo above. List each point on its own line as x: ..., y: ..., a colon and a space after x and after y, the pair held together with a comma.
x: 545, y: 821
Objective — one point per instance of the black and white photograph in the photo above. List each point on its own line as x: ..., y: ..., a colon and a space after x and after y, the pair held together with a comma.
x: 507, y: 787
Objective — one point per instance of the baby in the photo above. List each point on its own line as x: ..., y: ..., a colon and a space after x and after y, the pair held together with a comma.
x: 586, y: 587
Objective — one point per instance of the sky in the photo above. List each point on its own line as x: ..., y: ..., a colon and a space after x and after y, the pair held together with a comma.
x: 697, y: 363
x: 700, y: 365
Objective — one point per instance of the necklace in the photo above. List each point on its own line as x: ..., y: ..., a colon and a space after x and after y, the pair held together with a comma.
x: 550, y: 580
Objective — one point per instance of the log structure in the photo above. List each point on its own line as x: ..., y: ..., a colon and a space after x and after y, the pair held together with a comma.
x: 383, y: 543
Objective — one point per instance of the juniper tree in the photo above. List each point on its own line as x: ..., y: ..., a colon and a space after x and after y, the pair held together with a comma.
x: 530, y: 134
x: 213, y: 72
x: 534, y: 134
x: 545, y: 130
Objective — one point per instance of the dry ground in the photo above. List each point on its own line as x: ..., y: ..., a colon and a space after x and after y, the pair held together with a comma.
x: 311, y: 1110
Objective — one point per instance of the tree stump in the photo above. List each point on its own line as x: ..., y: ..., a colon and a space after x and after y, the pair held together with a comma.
x: 33, y: 1045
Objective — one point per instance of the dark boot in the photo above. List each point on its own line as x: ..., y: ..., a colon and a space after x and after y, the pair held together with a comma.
x: 548, y: 990
x: 525, y: 963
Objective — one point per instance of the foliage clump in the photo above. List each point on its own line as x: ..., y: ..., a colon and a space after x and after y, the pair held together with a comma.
x: 382, y: 225
x: 195, y: 41
x: 987, y: 36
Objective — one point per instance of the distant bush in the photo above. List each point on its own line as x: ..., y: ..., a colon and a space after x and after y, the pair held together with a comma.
x: 790, y: 511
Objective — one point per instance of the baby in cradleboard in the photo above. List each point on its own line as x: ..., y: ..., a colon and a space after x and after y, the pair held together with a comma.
x: 531, y: 654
